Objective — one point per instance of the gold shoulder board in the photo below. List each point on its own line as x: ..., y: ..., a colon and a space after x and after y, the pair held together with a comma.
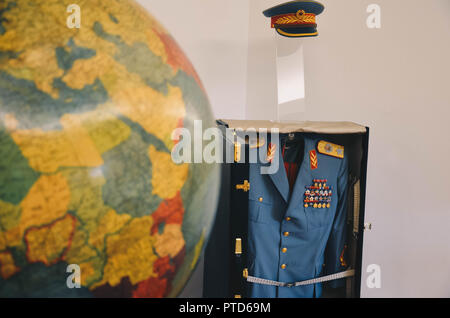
x: 329, y: 149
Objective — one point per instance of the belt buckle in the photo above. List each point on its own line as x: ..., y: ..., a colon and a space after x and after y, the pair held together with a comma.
x: 290, y: 285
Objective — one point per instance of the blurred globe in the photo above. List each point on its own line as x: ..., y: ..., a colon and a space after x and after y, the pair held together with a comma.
x: 86, y: 176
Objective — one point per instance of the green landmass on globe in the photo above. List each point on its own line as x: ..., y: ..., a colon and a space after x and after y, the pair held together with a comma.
x: 86, y: 176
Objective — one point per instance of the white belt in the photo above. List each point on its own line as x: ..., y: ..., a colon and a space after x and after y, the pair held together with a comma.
x: 262, y: 281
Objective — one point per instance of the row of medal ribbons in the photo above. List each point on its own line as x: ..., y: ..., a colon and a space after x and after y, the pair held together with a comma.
x: 318, y: 196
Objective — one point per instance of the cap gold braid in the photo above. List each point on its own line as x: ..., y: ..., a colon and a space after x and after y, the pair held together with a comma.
x: 299, y: 18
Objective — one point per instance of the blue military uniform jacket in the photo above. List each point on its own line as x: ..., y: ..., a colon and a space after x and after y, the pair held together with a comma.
x: 288, y: 242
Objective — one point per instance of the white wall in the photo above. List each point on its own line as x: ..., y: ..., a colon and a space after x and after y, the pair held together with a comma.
x: 395, y: 80
x: 214, y: 35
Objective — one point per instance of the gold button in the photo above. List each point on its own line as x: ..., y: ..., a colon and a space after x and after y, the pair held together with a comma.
x: 260, y: 199
x: 286, y: 233
x: 288, y: 219
x: 283, y: 266
x: 284, y: 250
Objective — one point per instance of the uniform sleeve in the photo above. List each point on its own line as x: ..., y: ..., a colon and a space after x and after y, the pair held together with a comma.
x: 337, y: 239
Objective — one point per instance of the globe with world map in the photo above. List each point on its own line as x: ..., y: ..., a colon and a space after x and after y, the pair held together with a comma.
x: 88, y: 187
